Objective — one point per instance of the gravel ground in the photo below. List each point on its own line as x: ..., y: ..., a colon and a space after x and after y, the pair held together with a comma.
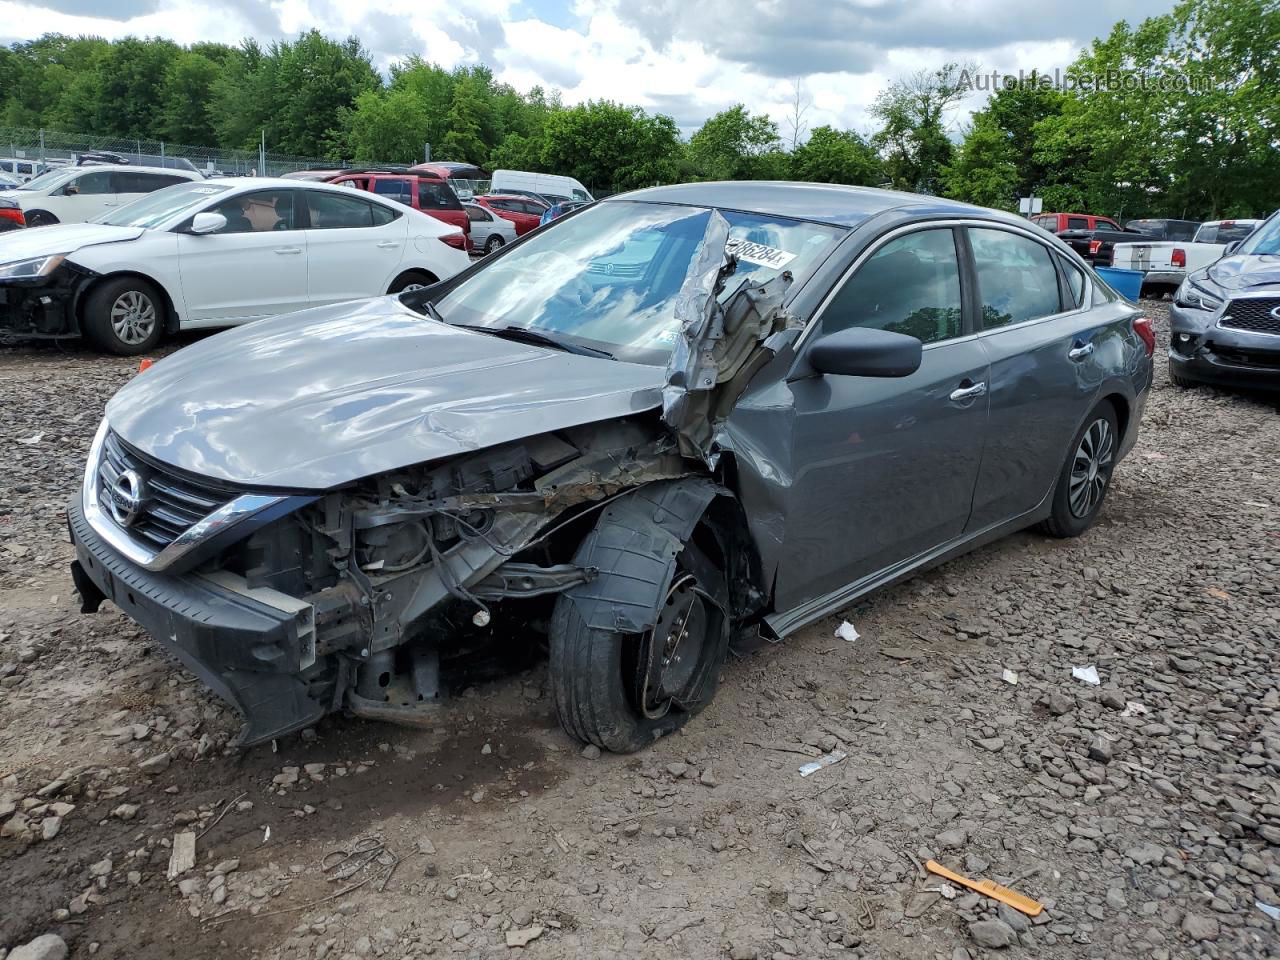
x: 1144, y: 812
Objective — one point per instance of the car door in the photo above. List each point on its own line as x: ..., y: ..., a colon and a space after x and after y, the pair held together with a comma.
x: 84, y: 196
x: 255, y: 266
x: 884, y: 469
x: 353, y: 246
x: 1043, y: 344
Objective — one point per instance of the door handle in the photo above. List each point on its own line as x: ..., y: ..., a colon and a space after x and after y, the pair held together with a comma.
x: 1080, y: 352
x: 282, y: 251
x: 968, y: 393
x: 111, y: 204
x: 388, y: 244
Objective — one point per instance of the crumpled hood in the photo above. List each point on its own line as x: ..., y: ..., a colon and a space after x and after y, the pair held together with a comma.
x: 315, y: 399
x: 60, y: 238
x: 1245, y: 272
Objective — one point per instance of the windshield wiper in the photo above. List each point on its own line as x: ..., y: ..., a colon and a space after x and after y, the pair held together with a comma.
x: 526, y: 335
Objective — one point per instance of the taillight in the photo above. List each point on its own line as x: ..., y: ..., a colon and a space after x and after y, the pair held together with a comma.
x: 1094, y: 247
x: 13, y: 214
x: 456, y: 240
x: 1146, y: 333
x: 1179, y: 258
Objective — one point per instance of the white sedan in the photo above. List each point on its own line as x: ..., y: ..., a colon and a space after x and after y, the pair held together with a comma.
x: 488, y: 231
x: 216, y: 254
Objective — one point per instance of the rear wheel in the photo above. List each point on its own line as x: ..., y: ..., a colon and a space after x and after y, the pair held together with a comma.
x: 1086, y: 476
x: 622, y: 691
x: 411, y: 280
x: 124, y: 316
x: 493, y: 243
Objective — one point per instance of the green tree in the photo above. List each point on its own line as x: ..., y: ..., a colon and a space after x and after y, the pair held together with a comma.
x: 836, y: 156
x: 1015, y: 109
x: 984, y: 169
x: 734, y: 145
x: 913, y: 140
x: 610, y: 146
x: 184, y: 97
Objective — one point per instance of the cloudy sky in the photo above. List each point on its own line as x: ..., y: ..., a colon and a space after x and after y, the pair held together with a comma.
x: 687, y: 58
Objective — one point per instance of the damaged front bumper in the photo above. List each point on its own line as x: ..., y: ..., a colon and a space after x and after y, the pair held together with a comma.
x: 250, y: 649
x: 43, y: 307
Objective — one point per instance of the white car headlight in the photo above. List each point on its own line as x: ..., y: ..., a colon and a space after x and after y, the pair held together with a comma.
x: 31, y: 269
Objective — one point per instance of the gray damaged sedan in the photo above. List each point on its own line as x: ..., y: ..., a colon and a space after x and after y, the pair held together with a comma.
x: 1224, y: 325
x: 683, y: 419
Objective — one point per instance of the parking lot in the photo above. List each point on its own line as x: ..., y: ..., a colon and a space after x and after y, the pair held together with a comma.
x: 1144, y: 812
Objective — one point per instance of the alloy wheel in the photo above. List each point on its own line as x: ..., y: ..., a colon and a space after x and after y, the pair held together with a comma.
x: 1091, y: 468
x: 133, y: 317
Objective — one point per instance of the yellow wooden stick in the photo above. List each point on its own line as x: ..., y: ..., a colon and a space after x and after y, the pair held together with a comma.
x: 990, y: 888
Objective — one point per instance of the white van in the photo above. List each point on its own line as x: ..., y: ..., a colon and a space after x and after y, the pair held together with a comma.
x: 549, y: 186
x: 77, y: 194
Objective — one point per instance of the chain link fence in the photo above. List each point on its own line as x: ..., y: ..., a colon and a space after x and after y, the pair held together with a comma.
x: 47, y: 147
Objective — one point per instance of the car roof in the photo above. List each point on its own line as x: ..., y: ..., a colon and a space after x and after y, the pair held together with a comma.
x: 135, y: 168
x: 820, y: 202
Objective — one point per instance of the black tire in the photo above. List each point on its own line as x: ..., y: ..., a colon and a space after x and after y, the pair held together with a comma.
x: 597, y: 675
x: 493, y: 243
x: 411, y: 280
x: 1086, y: 475
x: 40, y: 218
x: 125, y: 316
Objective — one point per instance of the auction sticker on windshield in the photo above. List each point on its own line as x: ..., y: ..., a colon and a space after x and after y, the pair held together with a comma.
x: 759, y: 253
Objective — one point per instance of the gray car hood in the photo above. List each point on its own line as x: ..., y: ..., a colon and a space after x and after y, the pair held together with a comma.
x: 1245, y: 272
x: 315, y: 399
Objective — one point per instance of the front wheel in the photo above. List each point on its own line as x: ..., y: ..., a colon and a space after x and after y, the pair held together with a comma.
x: 124, y: 316
x: 621, y: 691
x: 40, y: 218
x: 1086, y: 476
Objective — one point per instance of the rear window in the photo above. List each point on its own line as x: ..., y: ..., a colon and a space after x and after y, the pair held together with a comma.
x: 1077, y: 223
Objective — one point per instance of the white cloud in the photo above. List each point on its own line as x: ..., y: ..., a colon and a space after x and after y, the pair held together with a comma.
x: 688, y: 59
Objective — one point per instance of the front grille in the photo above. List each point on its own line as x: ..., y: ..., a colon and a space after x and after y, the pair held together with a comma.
x: 1257, y: 315
x: 1262, y: 359
x: 173, y: 500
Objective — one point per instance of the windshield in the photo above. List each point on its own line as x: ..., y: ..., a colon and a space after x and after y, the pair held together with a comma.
x: 1265, y: 241
x: 155, y: 208
x: 607, y: 277
x: 49, y: 179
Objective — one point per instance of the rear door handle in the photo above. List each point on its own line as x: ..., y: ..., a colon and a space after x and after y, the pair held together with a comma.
x: 1080, y: 352
x: 388, y: 244
x: 282, y: 251
x: 968, y: 393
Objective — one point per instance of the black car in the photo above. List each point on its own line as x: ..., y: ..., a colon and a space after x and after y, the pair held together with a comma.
x: 1224, y: 325
x: 1096, y: 245
x: 1165, y: 229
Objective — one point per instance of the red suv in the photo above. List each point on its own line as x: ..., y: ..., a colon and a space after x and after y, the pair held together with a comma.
x: 1058, y: 222
x: 429, y: 194
x: 524, y: 212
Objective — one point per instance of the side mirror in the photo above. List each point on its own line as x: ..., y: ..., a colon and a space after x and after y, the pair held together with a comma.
x: 207, y: 223
x: 866, y: 352
x: 1231, y: 248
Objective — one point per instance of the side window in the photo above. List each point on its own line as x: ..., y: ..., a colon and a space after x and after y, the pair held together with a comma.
x: 333, y: 211
x: 91, y: 184
x: 1077, y: 223
x: 1208, y: 233
x: 910, y: 285
x: 1075, y: 281
x: 400, y: 191
x: 262, y: 211
x: 1105, y: 224
x: 145, y: 182
x: 1016, y: 278
x: 433, y: 195
x: 383, y: 215
x: 498, y: 204
x: 478, y: 215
